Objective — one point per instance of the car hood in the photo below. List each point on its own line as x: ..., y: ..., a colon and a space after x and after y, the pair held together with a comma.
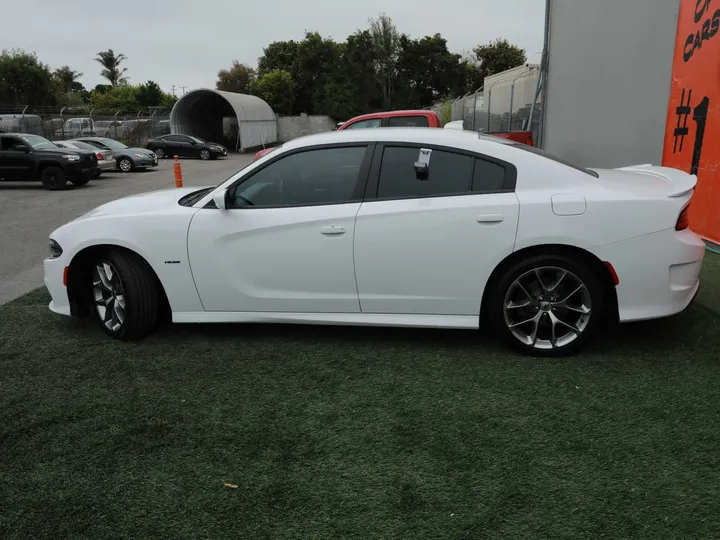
x: 144, y: 202
x: 62, y: 151
x: 134, y: 151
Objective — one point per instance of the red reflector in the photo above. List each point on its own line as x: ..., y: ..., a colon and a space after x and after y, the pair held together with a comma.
x: 683, y: 221
x: 100, y: 156
x: 65, y: 273
x: 613, y: 273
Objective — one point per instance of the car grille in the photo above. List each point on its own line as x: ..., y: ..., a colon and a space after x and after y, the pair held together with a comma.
x: 92, y: 158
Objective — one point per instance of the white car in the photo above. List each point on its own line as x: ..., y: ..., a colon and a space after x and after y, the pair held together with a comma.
x: 391, y: 227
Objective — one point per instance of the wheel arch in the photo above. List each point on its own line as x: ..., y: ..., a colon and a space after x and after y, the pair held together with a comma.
x: 78, y: 270
x: 587, y: 257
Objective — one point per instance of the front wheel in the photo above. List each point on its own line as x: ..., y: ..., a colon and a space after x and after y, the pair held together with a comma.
x: 547, y: 305
x: 53, y: 178
x: 125, y: 165
x: 205, y: 155
x: 125, y: 296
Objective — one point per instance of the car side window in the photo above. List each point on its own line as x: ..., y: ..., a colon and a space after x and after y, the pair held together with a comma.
x: 448, y: 173
x: 9, y: 144
x: 408, y: 121
x: 488, y: 177
x: 313, y: 177
x: 364, y: 124
x: 183, y: 138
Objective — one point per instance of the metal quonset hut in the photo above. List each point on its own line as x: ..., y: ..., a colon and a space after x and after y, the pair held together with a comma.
x: 239, y: 121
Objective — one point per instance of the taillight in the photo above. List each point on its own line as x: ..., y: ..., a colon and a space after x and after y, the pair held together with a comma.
x: 100, y: 156
x: 683, y: 221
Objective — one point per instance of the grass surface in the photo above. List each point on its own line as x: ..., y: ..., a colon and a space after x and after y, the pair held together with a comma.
x: 357, y: 433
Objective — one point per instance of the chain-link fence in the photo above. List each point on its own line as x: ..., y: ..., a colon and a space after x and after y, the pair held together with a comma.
x: 506, y: 103
x: 62, y: 123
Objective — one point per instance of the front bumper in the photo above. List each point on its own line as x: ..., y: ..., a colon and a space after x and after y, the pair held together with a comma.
x: 77, y: 170
x: 222, y: 152
x: 54, y: 276
x: 145, y: 162
x: 659, y: 273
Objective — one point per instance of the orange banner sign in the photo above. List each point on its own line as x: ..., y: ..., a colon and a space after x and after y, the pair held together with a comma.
x: 692, y: 133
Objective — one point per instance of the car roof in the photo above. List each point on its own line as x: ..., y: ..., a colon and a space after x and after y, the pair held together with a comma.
x: 468, y: 140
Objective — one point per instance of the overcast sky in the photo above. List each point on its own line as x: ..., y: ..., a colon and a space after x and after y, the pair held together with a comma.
x: 185, y: 42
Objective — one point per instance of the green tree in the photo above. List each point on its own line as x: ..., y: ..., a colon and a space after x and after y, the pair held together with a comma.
x: 357, y: 86
x: 239, y: 78
x: 149, y: 94
x: 280, y: 55
x: 119, y: 98
x: 66, y: 80
x: 276, y: 87
x: 111, y: 67
x: 498, y: 56
x: 386, y: 48
x: 24, y: 80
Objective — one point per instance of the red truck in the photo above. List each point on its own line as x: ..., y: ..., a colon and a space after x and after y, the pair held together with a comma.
x: 418, y: 118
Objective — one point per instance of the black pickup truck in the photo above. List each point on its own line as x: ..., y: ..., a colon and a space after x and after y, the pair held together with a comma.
x: 25, y: 157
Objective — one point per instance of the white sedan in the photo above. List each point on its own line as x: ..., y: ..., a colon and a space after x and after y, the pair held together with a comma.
x: 391, y: 227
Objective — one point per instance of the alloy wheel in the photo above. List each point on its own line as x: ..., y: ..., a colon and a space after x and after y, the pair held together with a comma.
x: 109, y: 296
x: 547, y: 308
x: 125, y: 165
x: 205, y: 154
x: 160, y: 153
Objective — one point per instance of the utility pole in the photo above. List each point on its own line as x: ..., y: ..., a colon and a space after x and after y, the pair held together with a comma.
x: 183, y: 89
x: 173, y: 89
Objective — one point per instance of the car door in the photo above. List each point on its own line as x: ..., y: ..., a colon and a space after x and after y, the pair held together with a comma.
x: 185, y: 146
x: 14, y: 164
x: 426, y: 242
x: 285, y: 242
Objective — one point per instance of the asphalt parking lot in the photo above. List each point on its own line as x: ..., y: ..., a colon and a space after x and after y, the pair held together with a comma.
x: 29, y: 213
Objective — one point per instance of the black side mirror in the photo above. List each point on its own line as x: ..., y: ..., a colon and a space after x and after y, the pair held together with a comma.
x: 422, y: 165
x: 20, y: 148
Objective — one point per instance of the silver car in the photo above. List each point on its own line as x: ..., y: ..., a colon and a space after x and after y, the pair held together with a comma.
x: 128, y: 159
x: 106, y: 160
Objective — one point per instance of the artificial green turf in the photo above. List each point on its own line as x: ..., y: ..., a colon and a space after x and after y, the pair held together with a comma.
x: 357, y: 433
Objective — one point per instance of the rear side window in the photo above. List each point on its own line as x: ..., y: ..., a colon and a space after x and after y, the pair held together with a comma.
x: 488, y: 177
x: 556, y: 159
x: 408, y: 121
x: 449, y: 174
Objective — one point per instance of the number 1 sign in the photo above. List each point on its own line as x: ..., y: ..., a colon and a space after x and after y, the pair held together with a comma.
x: 692, y: 133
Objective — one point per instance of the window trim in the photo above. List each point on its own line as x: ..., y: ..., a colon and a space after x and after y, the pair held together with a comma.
x: 358, y: 190
x: 373, y: 184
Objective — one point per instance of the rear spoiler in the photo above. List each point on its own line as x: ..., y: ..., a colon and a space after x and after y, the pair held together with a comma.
x: 682, y: 182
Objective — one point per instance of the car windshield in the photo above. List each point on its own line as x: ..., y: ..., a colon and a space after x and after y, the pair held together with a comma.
x: 113, y: 144
x: 197, y: 139
x: 38, y: 143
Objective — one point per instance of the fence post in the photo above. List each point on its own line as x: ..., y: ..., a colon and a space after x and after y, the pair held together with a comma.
x: 115, y: 122
x: 92, y: 124
x: 62, y: 125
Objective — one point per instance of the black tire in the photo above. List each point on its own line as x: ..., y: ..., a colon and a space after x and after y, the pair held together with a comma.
x: 577, y: 269
x: 81, y: 181
x: 205, y: 154
x: 140, y: 292
x: 125, y: 164
x: 160, y: 153
x: 53, y: 178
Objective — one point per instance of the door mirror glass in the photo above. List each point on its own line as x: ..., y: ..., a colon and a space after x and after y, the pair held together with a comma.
x: 220, y: 198
x: 20, y: 148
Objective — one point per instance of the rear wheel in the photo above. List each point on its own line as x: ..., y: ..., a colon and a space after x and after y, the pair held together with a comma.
x: 160, y: 153
x: 547, y: 305
x: 53, y: 178
x: 125, y: 295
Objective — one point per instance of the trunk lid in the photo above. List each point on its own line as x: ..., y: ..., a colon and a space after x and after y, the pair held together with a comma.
x: 649, y: 180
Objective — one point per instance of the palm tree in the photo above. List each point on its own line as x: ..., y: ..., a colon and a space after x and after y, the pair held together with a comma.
x: 67, y: 79
x: 111, y: 67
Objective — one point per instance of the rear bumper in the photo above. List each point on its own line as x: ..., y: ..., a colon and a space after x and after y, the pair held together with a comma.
x: 659, y: 273
x: 107, y: 165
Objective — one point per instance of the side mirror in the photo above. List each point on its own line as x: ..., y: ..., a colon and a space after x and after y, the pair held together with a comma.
x: 422, y: 165
x: 21, y: 148
x: 220, y: 198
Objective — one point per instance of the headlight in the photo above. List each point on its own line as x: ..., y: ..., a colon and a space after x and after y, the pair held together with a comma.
x: 142, y: 155
x: 71, y: 157
x: 55, y: 249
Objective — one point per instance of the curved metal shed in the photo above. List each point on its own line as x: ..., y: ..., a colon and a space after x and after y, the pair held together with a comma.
x: 238, y: 120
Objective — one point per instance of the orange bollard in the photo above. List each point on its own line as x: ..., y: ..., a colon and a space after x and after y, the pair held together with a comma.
x: 178, y: 173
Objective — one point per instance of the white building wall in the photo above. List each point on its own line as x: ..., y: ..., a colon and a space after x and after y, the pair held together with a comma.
x: 609, y: 72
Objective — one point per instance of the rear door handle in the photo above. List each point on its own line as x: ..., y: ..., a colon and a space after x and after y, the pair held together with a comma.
x: 490, y: 218
x: 333, y: 229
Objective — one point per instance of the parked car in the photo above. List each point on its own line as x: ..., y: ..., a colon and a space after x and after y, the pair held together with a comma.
x: 392, y: 227
x: 114, y: 129
x: 21, y: 123
x: 106, y: 160
x: 25, y: 157
x: 76, y: 127
x: 185, y: 146
x: 128, y: 159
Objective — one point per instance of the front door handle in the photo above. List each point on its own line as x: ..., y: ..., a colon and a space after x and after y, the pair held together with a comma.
x: 333, y: 229
x: 490, y: 218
